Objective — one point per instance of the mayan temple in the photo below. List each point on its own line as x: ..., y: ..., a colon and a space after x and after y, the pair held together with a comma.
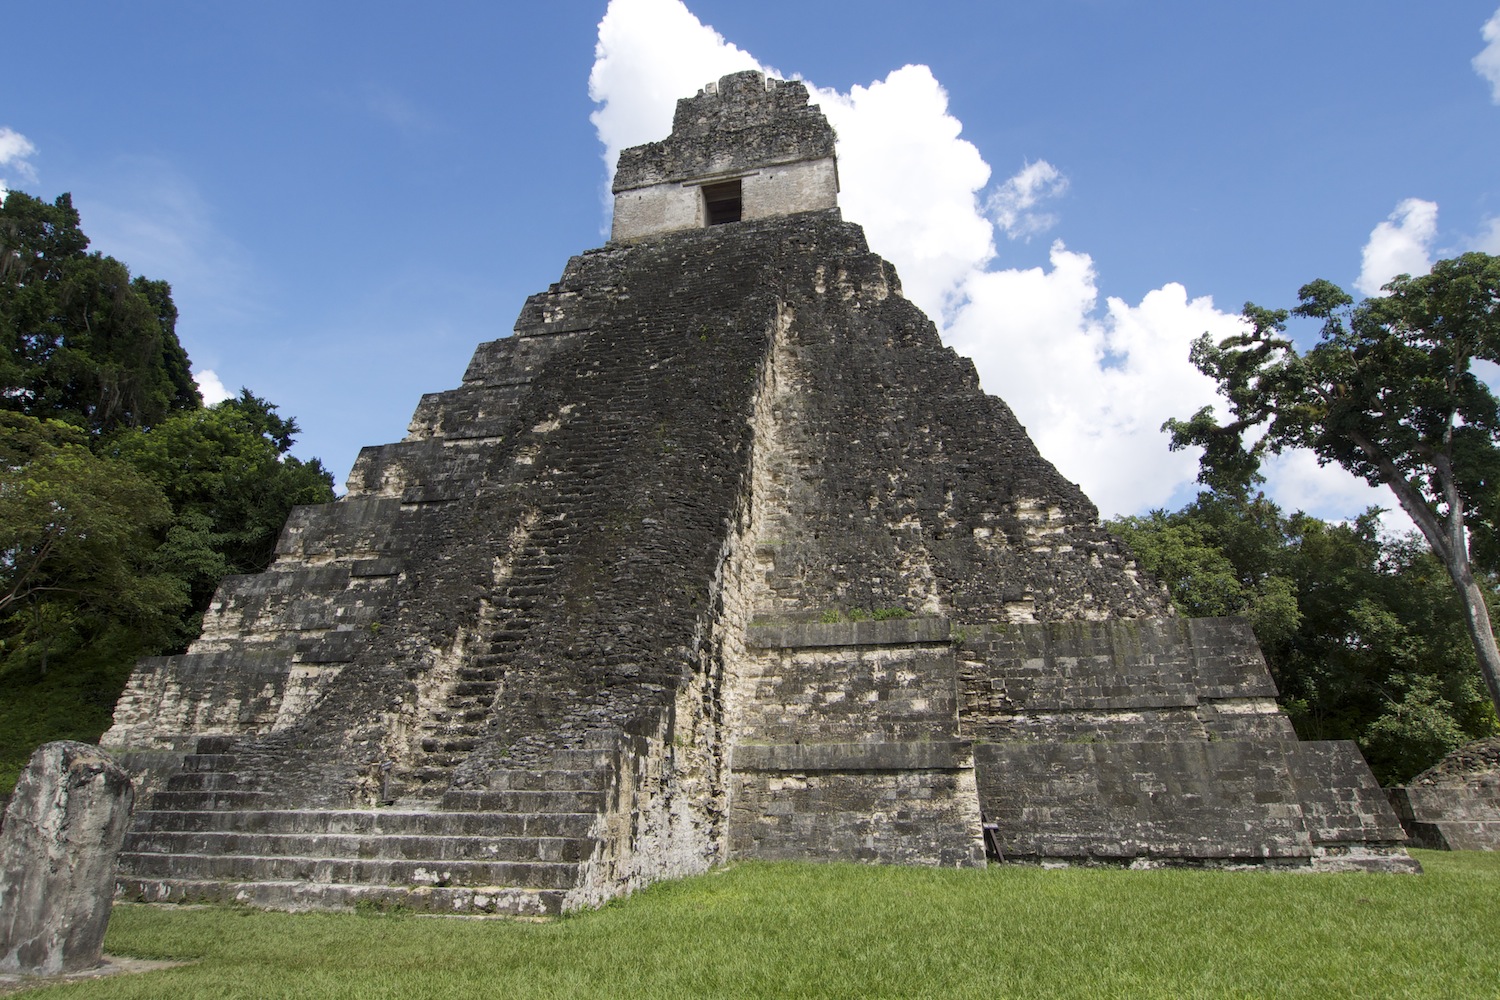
x: 721, y: 555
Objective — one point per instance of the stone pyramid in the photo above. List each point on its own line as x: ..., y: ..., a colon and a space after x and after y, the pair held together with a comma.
x: 721, y: 555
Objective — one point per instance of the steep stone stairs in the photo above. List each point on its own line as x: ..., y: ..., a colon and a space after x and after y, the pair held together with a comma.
x: 515, y: 849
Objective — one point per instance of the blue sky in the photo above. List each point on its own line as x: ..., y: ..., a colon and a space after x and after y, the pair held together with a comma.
x: 347, y: 198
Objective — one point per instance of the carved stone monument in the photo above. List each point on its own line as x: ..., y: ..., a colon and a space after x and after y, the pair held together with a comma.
x: 63, y: 829
x: 722, y: 554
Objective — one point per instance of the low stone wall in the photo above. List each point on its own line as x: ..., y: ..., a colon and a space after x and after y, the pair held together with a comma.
x: 1234, y: 802
x: 649, y: 830
x: 1460, y: 815
x: 846, y: 747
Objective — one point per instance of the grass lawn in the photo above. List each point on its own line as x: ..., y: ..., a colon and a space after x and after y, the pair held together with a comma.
x: 782, y: 930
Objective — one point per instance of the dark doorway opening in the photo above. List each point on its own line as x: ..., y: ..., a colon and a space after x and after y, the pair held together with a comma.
x: 722, y: 202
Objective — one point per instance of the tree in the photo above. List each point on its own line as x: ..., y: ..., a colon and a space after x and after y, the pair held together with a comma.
x: 123, y: 501
x: 1389, y: 393
x: 226, y: 472
x: 77, y: 536
x: 1363, y: 634
x: 80, y: 339
x: 1220, y: 556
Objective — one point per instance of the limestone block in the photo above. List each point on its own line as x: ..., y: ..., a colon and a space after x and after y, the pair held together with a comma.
x: 62, y: 834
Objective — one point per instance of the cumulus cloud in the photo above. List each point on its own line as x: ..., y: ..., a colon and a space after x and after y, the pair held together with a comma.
x: 1013, y: 202
x: 912, y: 182
x: 650, y: 53
x: 1302, y: 484
x: 211, y: 387
x: 1092, y: 381
x: 15, y: 155
x: 1488, y: 241
x: 1402, y: 244
x: 1093, y: 389
x: 1487, y: 63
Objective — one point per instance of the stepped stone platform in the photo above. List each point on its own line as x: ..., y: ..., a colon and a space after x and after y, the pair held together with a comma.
x: 721, y: 554
x: 1455, y: 804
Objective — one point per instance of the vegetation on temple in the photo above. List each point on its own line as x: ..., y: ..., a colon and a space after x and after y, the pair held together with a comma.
x: 123, y: 499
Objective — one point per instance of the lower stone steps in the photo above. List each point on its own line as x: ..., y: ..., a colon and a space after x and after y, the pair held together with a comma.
x: 211, y: 799
x: 406, y: 874
x: 396, y: 847
x: 511, y: 800
x: 203, y: 781
x: 413, y: 822
x: 294, y: 896
x: 517, y: 848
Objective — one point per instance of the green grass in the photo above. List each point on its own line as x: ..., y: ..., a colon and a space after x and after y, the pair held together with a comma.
x: 760, y: 930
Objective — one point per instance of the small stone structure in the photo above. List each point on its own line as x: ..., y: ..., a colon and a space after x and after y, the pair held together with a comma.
x: 1455, y: 804
x: 63, y: 829
x: 733, y: 155
x: 721, y: 555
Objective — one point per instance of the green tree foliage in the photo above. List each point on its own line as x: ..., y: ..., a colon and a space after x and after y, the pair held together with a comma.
x: 123, y: 501
x: 81, y: 341
x: 78, y: 534
x: 1388, y: 392
x: 1364, y: 636
x: 230, y: 481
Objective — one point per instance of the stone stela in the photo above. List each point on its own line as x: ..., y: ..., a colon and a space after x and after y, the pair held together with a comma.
x: 722, y: 554
x: 58, y: 849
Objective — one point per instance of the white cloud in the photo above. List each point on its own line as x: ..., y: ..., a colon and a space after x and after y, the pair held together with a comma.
x: 907, y: 177
x: 1488, y: 241
x: 1092, y: 390
x: 1093, y: 385
x: 153, y: 218
x: 211, y: 387
x: 147, y: 214
x: 1012, y: 203
x: 1400, y: 245
x: 650, y: 53
x: 15, y: 154
x: 395, y: 109
x: 1331, y: 491
x: 1487, y: 63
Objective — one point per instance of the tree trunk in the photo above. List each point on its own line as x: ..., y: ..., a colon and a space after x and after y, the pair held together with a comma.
x: 1450, y: 543
x: 1481, y: 632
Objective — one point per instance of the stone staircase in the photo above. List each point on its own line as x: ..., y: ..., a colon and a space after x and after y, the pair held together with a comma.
x: 517, y: 848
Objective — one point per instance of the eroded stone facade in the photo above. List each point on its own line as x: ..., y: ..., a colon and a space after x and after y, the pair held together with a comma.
x: 596, y: 620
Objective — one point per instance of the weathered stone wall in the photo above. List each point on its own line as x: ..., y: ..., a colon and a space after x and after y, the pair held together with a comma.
x: 1455, y: 804
x: 871, y: 802
x: 845, y: 746
x: 783, y: 190
x: 743, y: 122
x: 898, y: 484
x: 1462, y: 815
x: 1147, y: 679
x: 1157, y: 740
